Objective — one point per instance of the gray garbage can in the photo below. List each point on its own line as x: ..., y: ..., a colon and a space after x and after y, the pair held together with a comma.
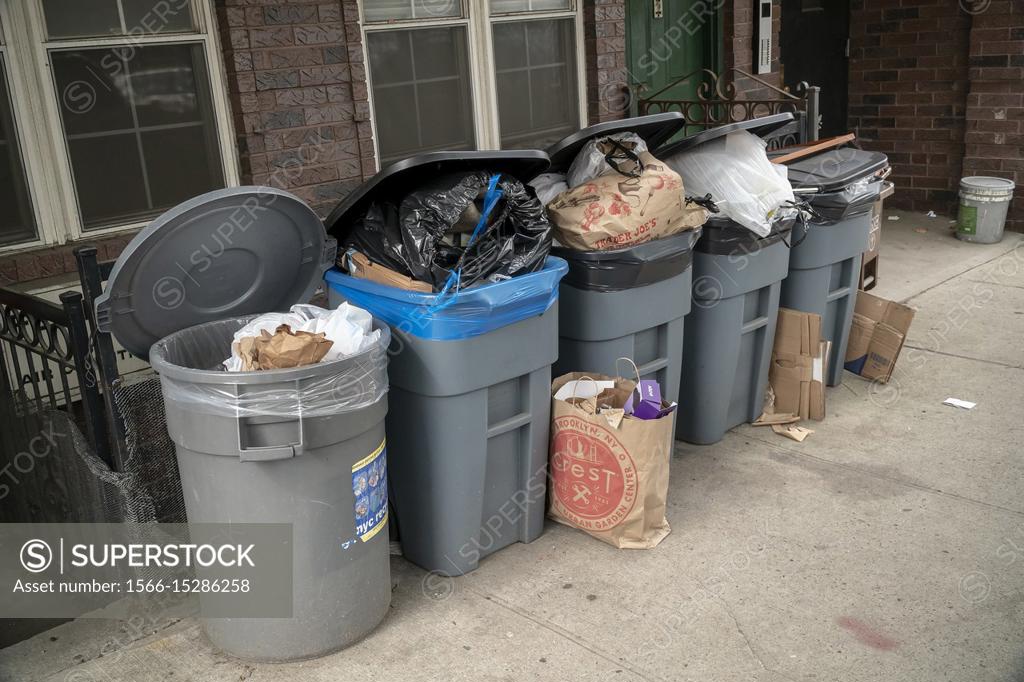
x: 731, y: 328
x: 470, y: 387
x: 277, y: 446
x: 627, y: 302
x: 841, y: 186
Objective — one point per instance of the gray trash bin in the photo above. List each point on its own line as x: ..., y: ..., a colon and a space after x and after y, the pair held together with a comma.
x: 470, y: 387
x: 730, y: 330
x: 627, y: 302
x: 278, y: 446
x: 841, y: 186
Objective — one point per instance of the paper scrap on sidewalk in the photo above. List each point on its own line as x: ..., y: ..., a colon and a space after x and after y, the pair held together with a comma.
x: 956, y: 402
x: 892, y: 217
x: 932, y: 214
x: 792, y: 431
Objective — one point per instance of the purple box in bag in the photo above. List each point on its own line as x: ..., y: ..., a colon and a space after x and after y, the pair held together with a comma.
x: 650, y: 404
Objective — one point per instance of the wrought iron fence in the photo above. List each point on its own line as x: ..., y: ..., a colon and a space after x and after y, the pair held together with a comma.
x: 41, y: 346
x: 736, y: 95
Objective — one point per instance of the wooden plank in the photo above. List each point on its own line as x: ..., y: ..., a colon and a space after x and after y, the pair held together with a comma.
x: 802, y: 150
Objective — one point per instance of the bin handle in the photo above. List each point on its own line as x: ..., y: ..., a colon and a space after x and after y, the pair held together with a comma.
x: 270, y: 453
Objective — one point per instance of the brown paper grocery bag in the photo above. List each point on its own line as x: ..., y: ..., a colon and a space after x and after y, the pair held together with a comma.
x: 610, y: 481
x: 616, y: 210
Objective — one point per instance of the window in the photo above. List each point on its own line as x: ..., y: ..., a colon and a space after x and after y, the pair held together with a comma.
x: 17, y: 223
x: 129, y: 114
x: 446, y: 74
x: 421, y: 86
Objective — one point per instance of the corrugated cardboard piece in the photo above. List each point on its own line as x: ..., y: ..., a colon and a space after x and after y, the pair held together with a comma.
x: 799, y: 364
x: 876, y: 336
x: 360, y: 266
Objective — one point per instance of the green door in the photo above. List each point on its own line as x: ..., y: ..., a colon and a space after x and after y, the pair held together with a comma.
x: 668, y: 40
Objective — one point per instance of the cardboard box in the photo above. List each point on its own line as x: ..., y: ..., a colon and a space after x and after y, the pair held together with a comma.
x: 361, y: 266
x: 877, y: 334
x: 799, y: 363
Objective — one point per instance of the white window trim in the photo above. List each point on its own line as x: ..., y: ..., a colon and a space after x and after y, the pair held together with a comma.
x: 483, y: 85
x: 45, y: 153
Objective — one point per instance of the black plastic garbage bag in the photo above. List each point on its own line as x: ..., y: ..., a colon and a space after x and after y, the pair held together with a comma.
x: 408, y: 234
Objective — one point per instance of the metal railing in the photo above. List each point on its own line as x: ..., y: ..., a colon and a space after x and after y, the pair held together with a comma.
x: 41, y: 346
x: 719, y: 101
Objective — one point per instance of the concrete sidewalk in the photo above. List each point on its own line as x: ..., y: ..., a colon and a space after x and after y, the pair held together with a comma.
x: 887, y: 546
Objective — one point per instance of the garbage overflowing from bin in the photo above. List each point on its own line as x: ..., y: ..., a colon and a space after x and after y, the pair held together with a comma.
x: 625, y: 226
x: 739, y: 264
x: 420, y: 405
x: 471, y: 364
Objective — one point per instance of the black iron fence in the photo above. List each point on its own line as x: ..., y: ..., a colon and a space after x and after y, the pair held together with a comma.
x: 733, y: 96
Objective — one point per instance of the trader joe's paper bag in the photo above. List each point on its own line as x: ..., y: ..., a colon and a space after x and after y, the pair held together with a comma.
x: 609, y: 473
x: 618, y: 209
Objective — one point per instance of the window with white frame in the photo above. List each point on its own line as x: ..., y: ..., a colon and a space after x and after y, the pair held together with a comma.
x: 127, y: 111
x: 17, y: 220
x: 472, y: 74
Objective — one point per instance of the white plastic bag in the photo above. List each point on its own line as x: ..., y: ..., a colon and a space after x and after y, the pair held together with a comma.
x: 349, y: 327
x: 548, y: 186
x: 591, y: 161
x: 736, y: 172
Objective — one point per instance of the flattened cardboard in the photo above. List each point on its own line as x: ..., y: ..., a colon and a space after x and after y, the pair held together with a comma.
x: 360, y: 266
x: 799, y: 364
x: 877, y: 334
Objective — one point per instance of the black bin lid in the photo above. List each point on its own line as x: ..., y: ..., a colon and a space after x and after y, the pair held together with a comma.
x: 765, y: 125
x: 407, y: 175
x: 835, y: 169
x: 655, y: 129
x: 227, y: 253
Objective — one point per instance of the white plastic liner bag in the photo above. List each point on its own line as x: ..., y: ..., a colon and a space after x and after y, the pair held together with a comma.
x: 548, y: 186
x: 349, y: 327
x: 736, y: 172
x: 591, y: 162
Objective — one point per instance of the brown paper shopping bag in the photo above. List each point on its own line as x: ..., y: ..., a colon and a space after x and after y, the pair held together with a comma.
x: 617, y: 210
x: 609, y: 473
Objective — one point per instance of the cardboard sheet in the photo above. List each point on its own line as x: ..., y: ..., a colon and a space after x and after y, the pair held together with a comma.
x: 877, y: 334
x: 799, y: 364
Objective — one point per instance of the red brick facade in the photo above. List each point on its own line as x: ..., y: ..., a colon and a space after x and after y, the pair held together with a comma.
x: 298, y: 92
x: 604, y: 36
x: 937, y: 87
x: 908, y: 90
x: 995, y: 99
x: 738, y: 49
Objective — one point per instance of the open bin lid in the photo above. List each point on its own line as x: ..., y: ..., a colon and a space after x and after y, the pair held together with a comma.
x: 227, y: 253
x: 765, y: 125
x: 407, y: 175
x: 835, y: 169
x: 655, y: 129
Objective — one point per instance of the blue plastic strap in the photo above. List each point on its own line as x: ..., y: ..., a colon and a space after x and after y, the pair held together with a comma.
x: 455, y: 276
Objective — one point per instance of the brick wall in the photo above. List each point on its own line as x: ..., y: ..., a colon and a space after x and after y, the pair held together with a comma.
x: 604, y: 36
x: 908, y: 92
x: 738, y: 38
x: 298, y: 92
x: 995, y: 99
